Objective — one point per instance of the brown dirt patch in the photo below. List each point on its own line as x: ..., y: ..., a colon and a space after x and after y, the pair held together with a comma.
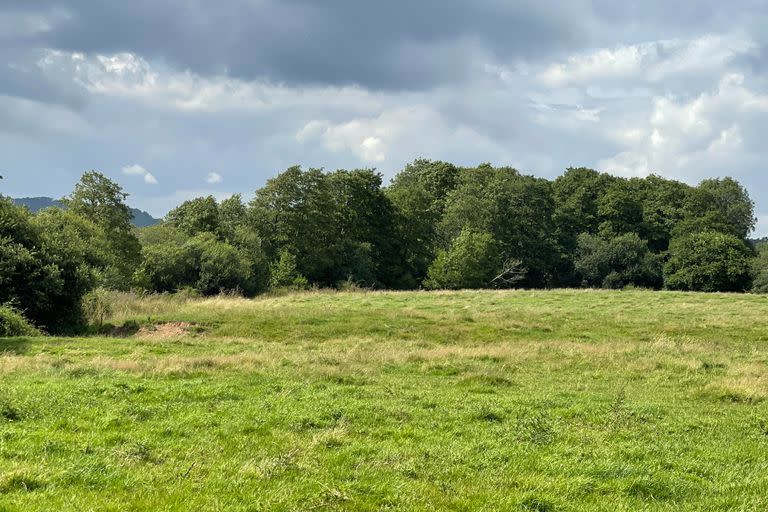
x: 164, y: 331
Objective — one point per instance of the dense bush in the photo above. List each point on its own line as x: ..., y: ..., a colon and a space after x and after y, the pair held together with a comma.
x: 14, y: 323
x: 760, y: 270
x: 472, y: 261
x: 709, y: 261
x: 617, y: 262
x: 47, y: 263
x: 167, y: 267
x: 283, y: 273
x: 220, y: 266
x: 203, y: 262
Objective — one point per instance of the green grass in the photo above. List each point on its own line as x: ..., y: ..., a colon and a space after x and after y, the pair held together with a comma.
x: 540, y: 400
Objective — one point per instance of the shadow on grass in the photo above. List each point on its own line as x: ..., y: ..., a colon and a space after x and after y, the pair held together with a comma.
x: 126, y: 330
x: 16, y: 346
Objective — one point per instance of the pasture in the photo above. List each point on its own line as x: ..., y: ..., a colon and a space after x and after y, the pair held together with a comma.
x: 473, y: 400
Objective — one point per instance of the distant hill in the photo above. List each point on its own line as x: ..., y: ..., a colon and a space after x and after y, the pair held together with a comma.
x: 141, y: 219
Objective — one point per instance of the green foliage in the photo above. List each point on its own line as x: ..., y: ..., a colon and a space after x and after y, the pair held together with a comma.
x: 576, y: 195
x: 284, y: 274
x: 721, y: 205
x: 207, y: 246
x: 250, y: 248
x: 232, y: 217
x: 709, y: 261
x: 47, y: 263
x: 370, y: 251
x: 196, y: 216
x: 760, y: 271
x: 102, y: 202
x: 617, y: 262
x: 344, y: 228
x: 203, y: 262
x: 168, y: 264
x: 295, y: 211
x: 516, y: 210
x: 663, y: 209
x: 14, y: 323
x: 471, y: 261
x: 160, y: 234
x: 418, y: 194
x: 221, y: 267
x: 620, y: 209
x: 340, y: 226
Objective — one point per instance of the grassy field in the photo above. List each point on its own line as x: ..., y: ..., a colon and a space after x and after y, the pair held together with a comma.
x: 536, y: 400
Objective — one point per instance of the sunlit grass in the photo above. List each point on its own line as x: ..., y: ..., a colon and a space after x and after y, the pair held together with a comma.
x: 529, y: 400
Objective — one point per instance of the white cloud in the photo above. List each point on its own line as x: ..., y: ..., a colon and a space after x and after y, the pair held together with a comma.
x: 213, y: 178
x: 565, y: 116
x: 129, y: 76
x: 652, y: 61
x: 369, y: 139
x: 137, y: 170
x: 692, y: 138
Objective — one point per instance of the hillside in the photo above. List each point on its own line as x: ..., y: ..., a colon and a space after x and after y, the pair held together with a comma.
x: 472, y: 400
x: 141, y: 219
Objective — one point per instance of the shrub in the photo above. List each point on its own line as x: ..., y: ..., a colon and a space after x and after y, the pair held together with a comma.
x: 204, y: 262
x: 47, y: 264
x: 709, y: 262
x: 470, y: 262
x: 761, y: 282
x: 166, y: 267
x: 760, y: 272
x: 222, y: 267
x: 14, y: 323
x: 618, y: 262
x: 283, y: 273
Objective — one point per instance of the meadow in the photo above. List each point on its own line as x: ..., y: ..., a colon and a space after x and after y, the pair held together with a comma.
x: 472, y: 400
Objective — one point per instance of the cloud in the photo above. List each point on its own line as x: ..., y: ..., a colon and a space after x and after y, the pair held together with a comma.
x: 137, y: 170
x: 213, y: 178
x: 302, y: 42
x: 631, y: 87
x: 698, y: 137
x: 130, y: 77
x: 648, y: 62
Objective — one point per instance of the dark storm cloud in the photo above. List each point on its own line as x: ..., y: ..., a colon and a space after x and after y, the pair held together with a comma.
x: 380, y: 45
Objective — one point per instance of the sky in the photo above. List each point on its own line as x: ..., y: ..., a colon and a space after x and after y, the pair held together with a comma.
x: 183, y: 98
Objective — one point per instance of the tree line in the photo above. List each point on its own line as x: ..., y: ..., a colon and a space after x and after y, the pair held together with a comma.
x: 435, y: 226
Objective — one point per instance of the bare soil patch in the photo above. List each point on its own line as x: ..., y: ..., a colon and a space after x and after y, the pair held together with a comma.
x: 165, y: 331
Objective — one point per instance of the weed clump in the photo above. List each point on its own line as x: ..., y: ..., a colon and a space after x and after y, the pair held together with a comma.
x: 20, y: 481
x: 533, y: 504
x: 537, y: 428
